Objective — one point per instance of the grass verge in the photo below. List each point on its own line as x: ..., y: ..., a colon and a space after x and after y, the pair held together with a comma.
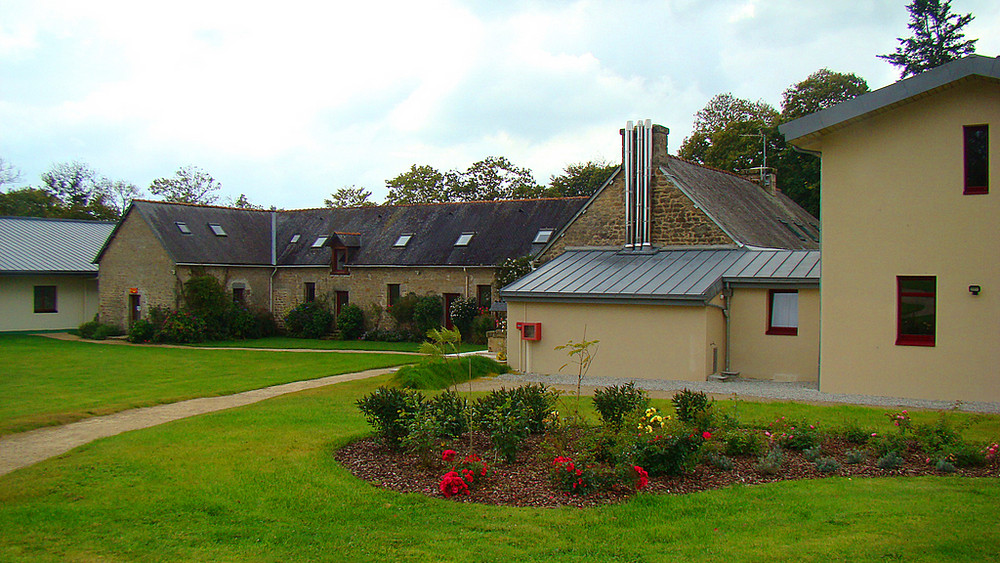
x: 259, y: 484
x: 446, y: 372
x: 284, y: 342
x: 48, y: 382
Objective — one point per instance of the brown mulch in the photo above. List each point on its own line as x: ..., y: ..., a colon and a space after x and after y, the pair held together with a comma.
x: 526, y: 482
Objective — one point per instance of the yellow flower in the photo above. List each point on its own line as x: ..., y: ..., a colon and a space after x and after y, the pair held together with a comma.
x: 649, y: 430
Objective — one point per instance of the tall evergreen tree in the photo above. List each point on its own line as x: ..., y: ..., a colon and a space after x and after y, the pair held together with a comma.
x: 937, y: 38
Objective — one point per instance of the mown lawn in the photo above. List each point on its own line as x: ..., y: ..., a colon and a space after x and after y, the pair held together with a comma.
x: 284, y: 342
x: 259, y: 483
x: 45, y: 382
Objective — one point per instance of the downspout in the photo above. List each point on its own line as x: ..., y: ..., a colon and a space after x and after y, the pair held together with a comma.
x: 727, y: 296
x: 274, y: 262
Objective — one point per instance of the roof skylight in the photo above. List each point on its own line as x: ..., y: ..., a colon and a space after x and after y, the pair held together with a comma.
x: 217, y: 229
x: 463, y: 239
x: 183, y: 228
x: 402, y: 241
x: 543, y: 236
x: 320, y: 241
x: 295, y: 239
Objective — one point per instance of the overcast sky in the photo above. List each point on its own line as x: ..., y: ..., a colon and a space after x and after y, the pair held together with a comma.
x: 288, y: 101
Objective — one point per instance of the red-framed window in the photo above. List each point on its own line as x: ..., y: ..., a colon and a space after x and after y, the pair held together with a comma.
x: 343, y: 298
x: 916, y: 316
x: 783, y: 312
x: 339, y: 262
x: 392, y: 294
x: 976, y: 139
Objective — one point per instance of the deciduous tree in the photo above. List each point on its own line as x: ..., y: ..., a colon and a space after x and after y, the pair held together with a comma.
x: 937, y: 38
x: 494, y: 178
x: 189, y: 184
x: 421, y: 184
x: 350, y: 196
x: 581, y: 179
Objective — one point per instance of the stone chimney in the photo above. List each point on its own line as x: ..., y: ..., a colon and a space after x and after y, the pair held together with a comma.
x: 766, y: 178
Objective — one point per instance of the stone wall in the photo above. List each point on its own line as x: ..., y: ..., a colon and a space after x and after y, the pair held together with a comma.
x: 135, y: 259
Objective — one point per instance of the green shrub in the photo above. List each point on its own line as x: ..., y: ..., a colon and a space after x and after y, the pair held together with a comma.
x: 890, y: 460
x: 206, y: 298
x: 507, y: 426
x: 854, y: 456
x: 449, y: 410
x: 141, y: 331
x: 938, y: 435
x: 351, y: 322
x: 424, y: 436
x: 720, y: 461
x: 813, y: 453
x: 770, y: 464
x: 388, y: 335
x: 87, y: 329
x: 309, y: 320
x: 427, y: 313
x: 182, y: 328
x: 856, y: 434
x: 692, y: 406
x: 944, y: 466
x: 962, y: 454
x: 389, y: 411
x: 827, y: 465
x: 403, y: 309
x: 885, y: 443
x: 615, y: 402
x: 94, y: 330
x: 743, y: 442
x: 462, y: 313
x: 670, y: 454
x: 580, y: 478
x: 481, y: 325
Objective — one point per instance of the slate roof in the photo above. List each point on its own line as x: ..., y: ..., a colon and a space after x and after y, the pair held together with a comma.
x: 30, y: 245
x: 691, y: 276
x: 501, y: 229
x: 891, y: 96
x: 745, y: 211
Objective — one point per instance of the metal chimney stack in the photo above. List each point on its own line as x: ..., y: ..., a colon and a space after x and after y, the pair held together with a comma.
x: 638, y: 141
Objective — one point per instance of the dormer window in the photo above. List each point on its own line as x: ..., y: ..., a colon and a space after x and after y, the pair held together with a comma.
x: 402, y: 241
x: 463, y: 239
x: 320, y: 241
x: 183, y: 228
x: 295, y: 239
x: 217, y: 229
x: 543, y: 236
x: 340, y: 261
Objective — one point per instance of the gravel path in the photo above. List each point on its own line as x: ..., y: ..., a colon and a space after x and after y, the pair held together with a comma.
x: 28, y: 448
x: 781, y: 391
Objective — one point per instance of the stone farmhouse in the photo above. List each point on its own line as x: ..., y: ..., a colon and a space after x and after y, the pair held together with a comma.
x: 276, y: 260
x: 48, y: 280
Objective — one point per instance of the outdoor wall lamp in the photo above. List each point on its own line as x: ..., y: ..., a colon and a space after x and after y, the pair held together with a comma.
x: 975, y: 289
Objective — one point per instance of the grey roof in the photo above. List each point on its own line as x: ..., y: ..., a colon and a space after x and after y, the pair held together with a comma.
x: 748, y: 213
x: 502, y: 229
x: 30, y: 245
x: 689, y: 276
x: 892, y: 95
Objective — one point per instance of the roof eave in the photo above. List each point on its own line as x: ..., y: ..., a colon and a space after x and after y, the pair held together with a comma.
x: 800, y: 130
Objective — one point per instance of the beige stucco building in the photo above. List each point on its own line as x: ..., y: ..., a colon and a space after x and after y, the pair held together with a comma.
x: 910, y: 300
x: 47, y: 277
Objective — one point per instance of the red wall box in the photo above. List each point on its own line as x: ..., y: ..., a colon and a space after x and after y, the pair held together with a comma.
x: 530, y: 331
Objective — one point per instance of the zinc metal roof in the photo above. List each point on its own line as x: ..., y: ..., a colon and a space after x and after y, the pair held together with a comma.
x: 30, y: 245
x: 691, y: 275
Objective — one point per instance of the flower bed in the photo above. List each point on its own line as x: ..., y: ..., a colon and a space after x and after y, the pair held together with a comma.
x: 555, y: 464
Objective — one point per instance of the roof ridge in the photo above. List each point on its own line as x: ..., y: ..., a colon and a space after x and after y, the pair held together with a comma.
x: 59, y: 219
x: 212, y: 206
x: 431, y: 203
